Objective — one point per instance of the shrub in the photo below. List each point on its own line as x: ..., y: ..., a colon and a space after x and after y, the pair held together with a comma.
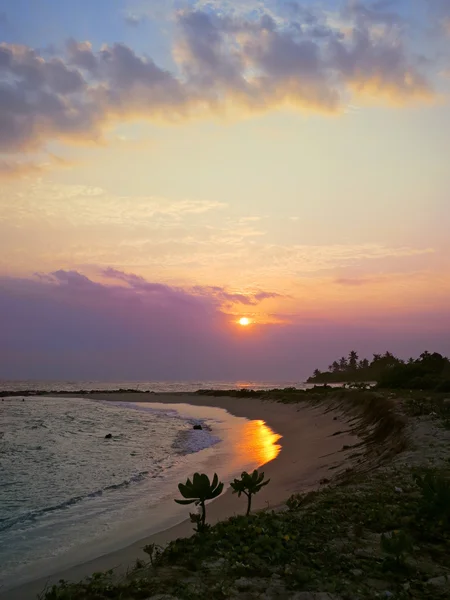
x: 154, y: 552
x: 435, y: 505
x: 397, y: 545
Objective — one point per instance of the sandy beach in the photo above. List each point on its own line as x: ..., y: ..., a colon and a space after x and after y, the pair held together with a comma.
x: 308, y: 450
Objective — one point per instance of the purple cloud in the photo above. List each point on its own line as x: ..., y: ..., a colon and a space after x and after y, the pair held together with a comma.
x: 66, y: 326
x: 218, y: 294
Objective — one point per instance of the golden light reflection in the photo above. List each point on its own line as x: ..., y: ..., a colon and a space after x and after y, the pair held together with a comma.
x: 258, y: 443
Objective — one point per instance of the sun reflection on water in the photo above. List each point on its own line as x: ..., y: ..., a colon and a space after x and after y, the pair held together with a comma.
x: 258, y: 442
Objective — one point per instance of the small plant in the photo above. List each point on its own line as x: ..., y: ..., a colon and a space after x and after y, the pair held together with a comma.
x: 435, y: 491
x: 196, y: 519
x: 295, y: 501
x: 154, y: 553
x: 397, y: 545
x: 249, y: 485
x: 198, y: 491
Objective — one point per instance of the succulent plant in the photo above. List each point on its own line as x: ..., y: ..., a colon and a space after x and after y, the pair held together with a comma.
x: 249, y: 485
x: 198, y: 491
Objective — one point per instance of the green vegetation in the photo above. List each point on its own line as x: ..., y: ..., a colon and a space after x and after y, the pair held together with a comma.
x: 198, y: 491
x: 397, y: 545
x: 431, y: 371
x: 435, y: 507
x: 428, y: 372
x: 249, y: 485
x: 380, y: 530
x: 352, y: 368
x: 357, y: 541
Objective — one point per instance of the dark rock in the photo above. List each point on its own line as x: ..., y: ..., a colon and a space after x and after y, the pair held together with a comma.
x: 198, y: 427
x: 108, y: 436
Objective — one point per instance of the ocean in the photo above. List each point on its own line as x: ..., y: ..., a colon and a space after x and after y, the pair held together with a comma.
x: 144, y: 386
x: 69, y: 494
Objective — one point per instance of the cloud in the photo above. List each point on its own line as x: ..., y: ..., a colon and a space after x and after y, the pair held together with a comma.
x: 66, y: 312
x: 89, y: 205
x: 215, y: 294
x: 133, y: 19
x: 355, y: 281
x: 17, y: 167
x: 379, y: 12
x: 78, y: 225
x: 227, y: 298
x: 35, y: 99
x: 63, y: 325
x: 227, y: 63
x: 43, y: 99
x: 81, y: 55
x: 440, y: 10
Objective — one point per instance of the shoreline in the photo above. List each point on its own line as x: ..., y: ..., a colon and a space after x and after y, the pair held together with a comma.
x: 308, y: 450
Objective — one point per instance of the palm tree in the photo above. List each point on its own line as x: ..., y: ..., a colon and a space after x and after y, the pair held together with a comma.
x: 353, y: 360
x: 364, y: 363
x: 343, y: 364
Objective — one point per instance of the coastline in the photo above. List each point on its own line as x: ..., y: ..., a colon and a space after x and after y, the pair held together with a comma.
x: 308, y: 450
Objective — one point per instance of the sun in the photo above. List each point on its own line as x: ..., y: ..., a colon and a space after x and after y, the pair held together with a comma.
x: 244, y: 321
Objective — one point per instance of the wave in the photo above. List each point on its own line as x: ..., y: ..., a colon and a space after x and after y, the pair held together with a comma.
x: 194, y: 440
x: 34, y: 515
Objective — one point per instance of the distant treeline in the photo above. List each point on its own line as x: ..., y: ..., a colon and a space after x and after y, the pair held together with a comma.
x: 431, y: 371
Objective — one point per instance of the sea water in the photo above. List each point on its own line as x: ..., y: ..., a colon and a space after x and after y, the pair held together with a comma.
x: 144, y: 386
x: 69, y: 493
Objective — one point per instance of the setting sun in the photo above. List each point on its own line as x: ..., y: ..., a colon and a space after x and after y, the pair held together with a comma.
x: 244, y: 321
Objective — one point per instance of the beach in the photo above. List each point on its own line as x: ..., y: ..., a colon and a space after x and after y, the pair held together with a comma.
x: 310, y: 453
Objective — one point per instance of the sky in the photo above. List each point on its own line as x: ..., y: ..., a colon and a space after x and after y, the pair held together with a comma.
x: 168, y: 168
